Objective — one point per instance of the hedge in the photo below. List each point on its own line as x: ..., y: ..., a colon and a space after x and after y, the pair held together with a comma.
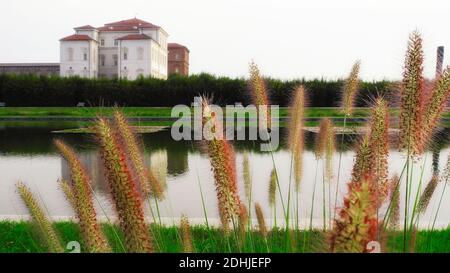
x: 31, y: 90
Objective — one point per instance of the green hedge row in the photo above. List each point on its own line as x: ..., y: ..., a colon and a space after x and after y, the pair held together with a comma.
x: 30, y: 90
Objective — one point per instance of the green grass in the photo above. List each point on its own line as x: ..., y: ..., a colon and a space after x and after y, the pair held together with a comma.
x: 146, y: 112
x: 19, y: 237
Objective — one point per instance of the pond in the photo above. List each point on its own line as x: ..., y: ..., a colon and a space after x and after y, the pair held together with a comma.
x: 27, y: 154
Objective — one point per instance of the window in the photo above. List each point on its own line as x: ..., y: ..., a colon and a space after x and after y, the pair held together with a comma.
x: 116, y: 42
x: 125, y: 53
x: 115, y: 59
x: 85, y: 56
x: 70, y: 54
x: 102, y: 42
x: 102, y: 60
x: 140, y: 53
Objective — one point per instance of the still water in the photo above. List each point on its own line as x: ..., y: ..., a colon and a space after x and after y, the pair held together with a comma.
x: 27, y: 154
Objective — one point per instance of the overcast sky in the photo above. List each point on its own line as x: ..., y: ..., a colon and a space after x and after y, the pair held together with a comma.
x: 287, y: 38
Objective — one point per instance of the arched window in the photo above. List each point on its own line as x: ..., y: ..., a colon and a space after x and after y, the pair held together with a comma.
x: 70, y: 54
x: 140, y: 53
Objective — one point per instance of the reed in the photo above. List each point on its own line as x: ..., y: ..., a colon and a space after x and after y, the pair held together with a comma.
x: 261, y: 220
x: 40, y: 219
x: 81, y: 199
x: 122, y: 184
x: 394, y: 212
x: 427, y: 194
x: 324, y: 149
x: 350, y: 89
x: 243, y: 223
x: 259, y: 94
x: 349, y: 93
x: 222, y: 159
x: 379, y: 149
x: 435, y: 104
x: 412, y: 97
x: 147, y: 181
x: 296, y: 135
x: 247, y: 177
x: 68, y: 192
x: 185, y: 230
x: 272, y: 188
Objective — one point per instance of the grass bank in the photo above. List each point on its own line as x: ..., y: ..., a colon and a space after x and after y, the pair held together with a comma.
x: 20, y: 237
x: 149, y: 112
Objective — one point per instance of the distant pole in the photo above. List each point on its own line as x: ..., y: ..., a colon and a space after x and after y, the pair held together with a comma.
x: 439, y: 60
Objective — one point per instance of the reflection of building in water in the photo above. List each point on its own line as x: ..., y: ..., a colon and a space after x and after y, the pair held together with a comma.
x: 93, y: 165
x: 157, y: 162
x: 177, y: 160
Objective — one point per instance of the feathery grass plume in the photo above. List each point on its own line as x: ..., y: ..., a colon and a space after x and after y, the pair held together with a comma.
x: 435, y: 105
x: 362, y: 162
x: 155, y: 185
x: 185, y: 229
x: 45, y: 228
x: 68, y: 192
x: 243, y: 221
x: 247, y: 177
x: 82, y: 201
x: 350, y: 89
x: 223, y: 163
x: 426, y: 195
x: 272, y: 187
x: 296, y: 136
x: 147, y: 181
x: 127, y: 199
x: 321, y: 138
x: 357, y: 223
x: 379, y: 150
x: 258, y: 92
x: 325, y: 145
x: 394, y: 212
x: 261, y: 221
x: 329, y: 152
x: 412, y: 95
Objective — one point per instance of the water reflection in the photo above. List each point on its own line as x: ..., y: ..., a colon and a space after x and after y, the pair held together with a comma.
x: 27, y: 154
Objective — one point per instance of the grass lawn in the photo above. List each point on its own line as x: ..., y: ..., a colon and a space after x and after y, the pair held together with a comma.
x: 147, y: 111
x: 21, y: 237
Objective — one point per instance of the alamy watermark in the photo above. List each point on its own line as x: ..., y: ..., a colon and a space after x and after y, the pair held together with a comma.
x: 200, y: 122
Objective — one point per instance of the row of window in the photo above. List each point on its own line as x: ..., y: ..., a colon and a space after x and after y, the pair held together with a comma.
x: 125, y: 54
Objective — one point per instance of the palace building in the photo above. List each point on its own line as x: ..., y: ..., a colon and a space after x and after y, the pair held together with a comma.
x: 125, y: 49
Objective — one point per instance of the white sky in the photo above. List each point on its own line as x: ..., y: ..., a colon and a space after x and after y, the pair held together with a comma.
x: 287, y: 38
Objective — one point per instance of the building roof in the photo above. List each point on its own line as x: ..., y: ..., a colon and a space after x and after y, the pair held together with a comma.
x: 176, y: 45
x: 87, y: 27
x: 77, y: 37
x: 135, y: 37
x: 127, y: 25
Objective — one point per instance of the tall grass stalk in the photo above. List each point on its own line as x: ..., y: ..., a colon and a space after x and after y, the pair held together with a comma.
x: 45, y: 228
x: 349, y: 93
x: 81, y: 199
x: 123, y: 188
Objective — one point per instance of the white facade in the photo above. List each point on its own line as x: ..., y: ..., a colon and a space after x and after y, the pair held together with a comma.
x: 126, y: 49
